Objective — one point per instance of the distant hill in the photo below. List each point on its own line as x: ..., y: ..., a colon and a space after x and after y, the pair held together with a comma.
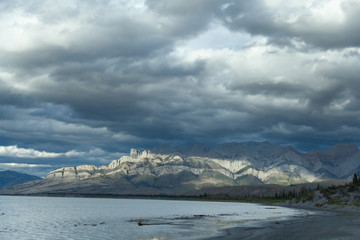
x: 10, y: 178
x: 165, y: 170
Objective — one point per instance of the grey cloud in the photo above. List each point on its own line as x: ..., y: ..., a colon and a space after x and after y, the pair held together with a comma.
x: 179, y: 109
x: 124, y: 81
x: 109, y: 44
x: 99, y: 32
x: 184, y: 19
x: 256, y: 18
x: 275, y: 89
x: 10, y: 97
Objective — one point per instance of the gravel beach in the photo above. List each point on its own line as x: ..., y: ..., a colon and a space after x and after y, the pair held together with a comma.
x: 323, y: 224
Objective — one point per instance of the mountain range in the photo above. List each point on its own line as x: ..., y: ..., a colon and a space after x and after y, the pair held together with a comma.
x: 10, y: 178
x: 168, y: 170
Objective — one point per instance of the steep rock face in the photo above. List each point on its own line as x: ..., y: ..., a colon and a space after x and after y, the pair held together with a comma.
x: 138, y: 154
x: 263, y: 160
x: 222, y: 165
x: 165, y: 170
x: 72, y: 173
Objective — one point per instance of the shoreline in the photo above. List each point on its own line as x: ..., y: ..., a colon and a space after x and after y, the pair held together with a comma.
x: 320, y: 224
x: 264, y: 201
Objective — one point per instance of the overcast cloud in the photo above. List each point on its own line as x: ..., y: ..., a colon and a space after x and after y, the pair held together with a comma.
x: 84, y: 81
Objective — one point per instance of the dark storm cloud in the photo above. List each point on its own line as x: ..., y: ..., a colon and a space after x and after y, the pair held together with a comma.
x: 98, y: 78
x: 10, y: 97
x: 133, y: 41
x: 275, y: 89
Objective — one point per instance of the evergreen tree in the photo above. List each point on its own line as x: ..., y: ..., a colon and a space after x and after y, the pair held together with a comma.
x: 355, y: 179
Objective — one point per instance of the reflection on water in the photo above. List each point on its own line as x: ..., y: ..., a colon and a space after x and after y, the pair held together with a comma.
x: 86, y: 218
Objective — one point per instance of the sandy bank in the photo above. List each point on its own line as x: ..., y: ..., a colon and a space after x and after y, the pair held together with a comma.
x: 324, y: 224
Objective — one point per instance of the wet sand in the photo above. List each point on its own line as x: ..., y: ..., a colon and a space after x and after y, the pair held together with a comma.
x: 323, y: 224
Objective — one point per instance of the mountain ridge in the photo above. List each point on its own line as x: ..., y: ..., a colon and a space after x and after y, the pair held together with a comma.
x: 10, y: 178
x: 172, y: 171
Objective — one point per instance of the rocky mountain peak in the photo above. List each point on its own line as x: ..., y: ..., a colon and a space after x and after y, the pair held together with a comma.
x: 198, y: 166
x: 341, y: 149
x: 140, y: 154
x: 337, y: 154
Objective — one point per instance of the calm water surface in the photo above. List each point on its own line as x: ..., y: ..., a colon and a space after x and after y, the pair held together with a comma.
x: 95, y: 218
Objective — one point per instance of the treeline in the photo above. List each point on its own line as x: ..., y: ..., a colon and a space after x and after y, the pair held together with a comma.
x: 304, y: 193
x: 284, y: 194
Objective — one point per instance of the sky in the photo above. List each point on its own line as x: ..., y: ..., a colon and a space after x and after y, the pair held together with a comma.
x: 82, y: 82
